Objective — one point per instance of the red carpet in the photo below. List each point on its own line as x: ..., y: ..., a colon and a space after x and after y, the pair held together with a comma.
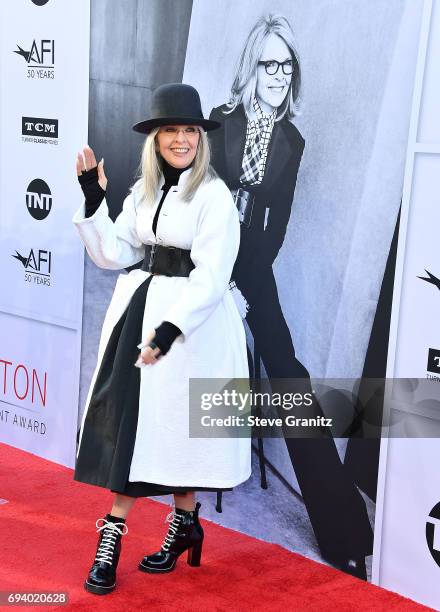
x: 48, y: 541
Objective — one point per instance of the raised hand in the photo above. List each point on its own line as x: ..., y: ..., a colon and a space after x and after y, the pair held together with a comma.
x: 86, y: 161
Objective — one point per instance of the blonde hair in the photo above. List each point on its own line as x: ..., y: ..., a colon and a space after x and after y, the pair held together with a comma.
x: 245, y: 80
x: 150, y: 171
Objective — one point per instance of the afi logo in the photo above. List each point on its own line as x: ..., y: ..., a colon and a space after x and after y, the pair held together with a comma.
x: 41, y: 55
x: 430, y: 278
x: 38, y: 262
x: 31, y: 126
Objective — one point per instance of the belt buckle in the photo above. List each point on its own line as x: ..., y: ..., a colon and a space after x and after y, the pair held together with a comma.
x: 150, y: 262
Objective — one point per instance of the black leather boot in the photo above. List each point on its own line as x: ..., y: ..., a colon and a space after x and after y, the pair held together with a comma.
x: 102, y: 576
x: 184, y: 533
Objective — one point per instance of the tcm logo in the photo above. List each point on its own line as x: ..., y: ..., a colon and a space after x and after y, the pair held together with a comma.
x: 433, y: 533
x: 31, y: 126
x: 38, y: 199
x: 37, y: 265
x: 43, y: 131
x: 433, y: 364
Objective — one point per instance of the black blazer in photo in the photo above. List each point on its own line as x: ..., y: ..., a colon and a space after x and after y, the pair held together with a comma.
x: 276, y: 189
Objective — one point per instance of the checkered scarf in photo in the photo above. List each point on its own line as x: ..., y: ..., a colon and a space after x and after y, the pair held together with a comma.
x: 258, y: 135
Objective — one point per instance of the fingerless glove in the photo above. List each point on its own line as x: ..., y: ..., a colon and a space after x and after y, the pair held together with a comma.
x: 92, y: 190
x: 166, y: 333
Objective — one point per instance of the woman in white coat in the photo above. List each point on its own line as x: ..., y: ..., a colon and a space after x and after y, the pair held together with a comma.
x: 180, y: 219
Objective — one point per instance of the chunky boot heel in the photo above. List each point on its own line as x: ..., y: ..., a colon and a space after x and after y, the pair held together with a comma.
x: 102, y: 576
x: 195, y: 554
x: 184, y: 533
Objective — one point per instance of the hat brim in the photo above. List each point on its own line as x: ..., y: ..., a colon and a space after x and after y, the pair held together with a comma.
x: 144, y: 127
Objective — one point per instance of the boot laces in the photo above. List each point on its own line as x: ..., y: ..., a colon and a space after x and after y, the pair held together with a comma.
x: 174, y: 520
x: 107, y: 545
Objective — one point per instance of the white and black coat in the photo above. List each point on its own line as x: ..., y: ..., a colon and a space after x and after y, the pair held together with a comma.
x: 212, y: 343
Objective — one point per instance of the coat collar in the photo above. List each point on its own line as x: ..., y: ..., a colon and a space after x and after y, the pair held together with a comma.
x: 183, y: 178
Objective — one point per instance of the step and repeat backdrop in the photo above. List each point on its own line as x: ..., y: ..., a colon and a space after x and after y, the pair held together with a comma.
x: 407, y: 538
x: 44, y: 82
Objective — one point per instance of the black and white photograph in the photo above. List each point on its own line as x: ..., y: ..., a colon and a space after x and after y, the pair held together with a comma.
x: 203, y: 200
x: 305, y: 95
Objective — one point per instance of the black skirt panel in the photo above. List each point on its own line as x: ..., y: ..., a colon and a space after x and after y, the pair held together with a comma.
x: 109, y: 432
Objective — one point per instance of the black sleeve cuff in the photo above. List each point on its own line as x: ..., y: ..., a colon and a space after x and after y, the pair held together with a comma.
x: 93, y: 192
x: 166, y: 333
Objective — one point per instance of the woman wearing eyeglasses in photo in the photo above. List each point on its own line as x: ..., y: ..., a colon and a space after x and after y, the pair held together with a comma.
x: 258, y: 153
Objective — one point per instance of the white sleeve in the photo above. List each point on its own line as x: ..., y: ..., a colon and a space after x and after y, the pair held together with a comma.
x: 111, y: 245
x: 213, y: 252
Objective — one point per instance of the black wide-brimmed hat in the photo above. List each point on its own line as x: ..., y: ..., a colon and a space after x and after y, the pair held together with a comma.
x: 175, y: 104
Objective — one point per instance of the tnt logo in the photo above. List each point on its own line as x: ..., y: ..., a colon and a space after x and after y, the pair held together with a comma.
x: 433, y: 533
x: 433, y: 364
x: 38, y: 199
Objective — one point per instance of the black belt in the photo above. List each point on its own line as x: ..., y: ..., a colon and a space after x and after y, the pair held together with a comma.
x: 168, y: 261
